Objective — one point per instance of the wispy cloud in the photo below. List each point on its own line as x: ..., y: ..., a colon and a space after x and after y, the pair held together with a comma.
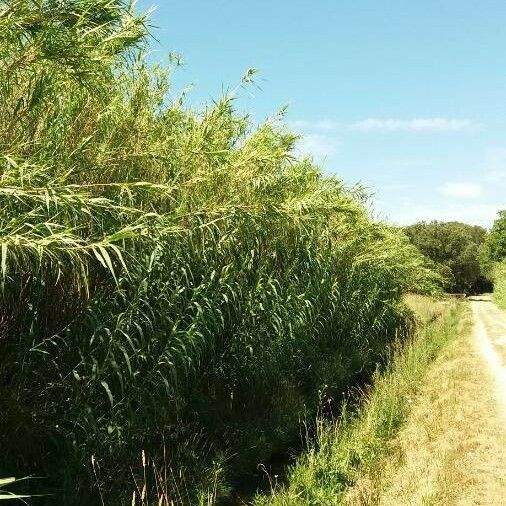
x: 475, y: 214
x: 319, y: 138
x: 462, y: 190
x: 371, y: 125
x: 322, y: 125
x: 318, y: 145
x: 413, y: 125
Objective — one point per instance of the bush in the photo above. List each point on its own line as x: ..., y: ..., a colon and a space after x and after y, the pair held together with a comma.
x: 172, y: 281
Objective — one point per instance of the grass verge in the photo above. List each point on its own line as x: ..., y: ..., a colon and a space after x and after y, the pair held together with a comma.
x: 349, y: 450
x: 451, y: 448
x: 500, y: 286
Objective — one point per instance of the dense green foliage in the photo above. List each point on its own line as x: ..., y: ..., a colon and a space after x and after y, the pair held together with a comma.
x: 171, y: 281
x: 495, y: 243
x: 493, y: 258
x: 348, y: 450
x: 454, y: 249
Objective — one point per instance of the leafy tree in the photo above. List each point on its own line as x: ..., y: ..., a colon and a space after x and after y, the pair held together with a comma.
x: 495, y: 243
x: 493, y: 257
x: 455, y: 250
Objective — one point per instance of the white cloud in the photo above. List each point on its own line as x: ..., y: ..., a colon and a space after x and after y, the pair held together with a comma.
x: 463, y: 190
x: 479, y: 214
x: 318, y: 138
x: 323, y: 125
x: 318, y: 145
x: 413, y: 125
x: 411, y: 206
x: 387, y: 125
x: 393, y: 187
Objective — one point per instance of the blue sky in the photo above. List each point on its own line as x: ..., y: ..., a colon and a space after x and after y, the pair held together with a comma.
x: 406, y: 97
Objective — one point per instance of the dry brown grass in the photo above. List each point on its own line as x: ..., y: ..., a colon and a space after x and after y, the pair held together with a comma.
x: 452, y: 450
x: 426, y: 308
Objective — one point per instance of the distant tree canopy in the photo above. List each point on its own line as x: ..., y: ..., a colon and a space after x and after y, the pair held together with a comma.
x: 455, y: 250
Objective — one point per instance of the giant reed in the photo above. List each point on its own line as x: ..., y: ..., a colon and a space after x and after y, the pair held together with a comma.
x: 174, y: 281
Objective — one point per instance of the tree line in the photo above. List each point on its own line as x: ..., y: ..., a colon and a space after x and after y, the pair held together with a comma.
x: 464, y: 255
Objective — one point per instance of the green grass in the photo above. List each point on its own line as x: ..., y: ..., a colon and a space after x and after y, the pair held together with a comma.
x: 172, y: 281
x: 347, y: 450
x: 500, y: 285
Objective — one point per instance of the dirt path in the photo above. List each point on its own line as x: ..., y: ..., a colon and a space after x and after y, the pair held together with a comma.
x: 490, y: 335
x: 452, y: 450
